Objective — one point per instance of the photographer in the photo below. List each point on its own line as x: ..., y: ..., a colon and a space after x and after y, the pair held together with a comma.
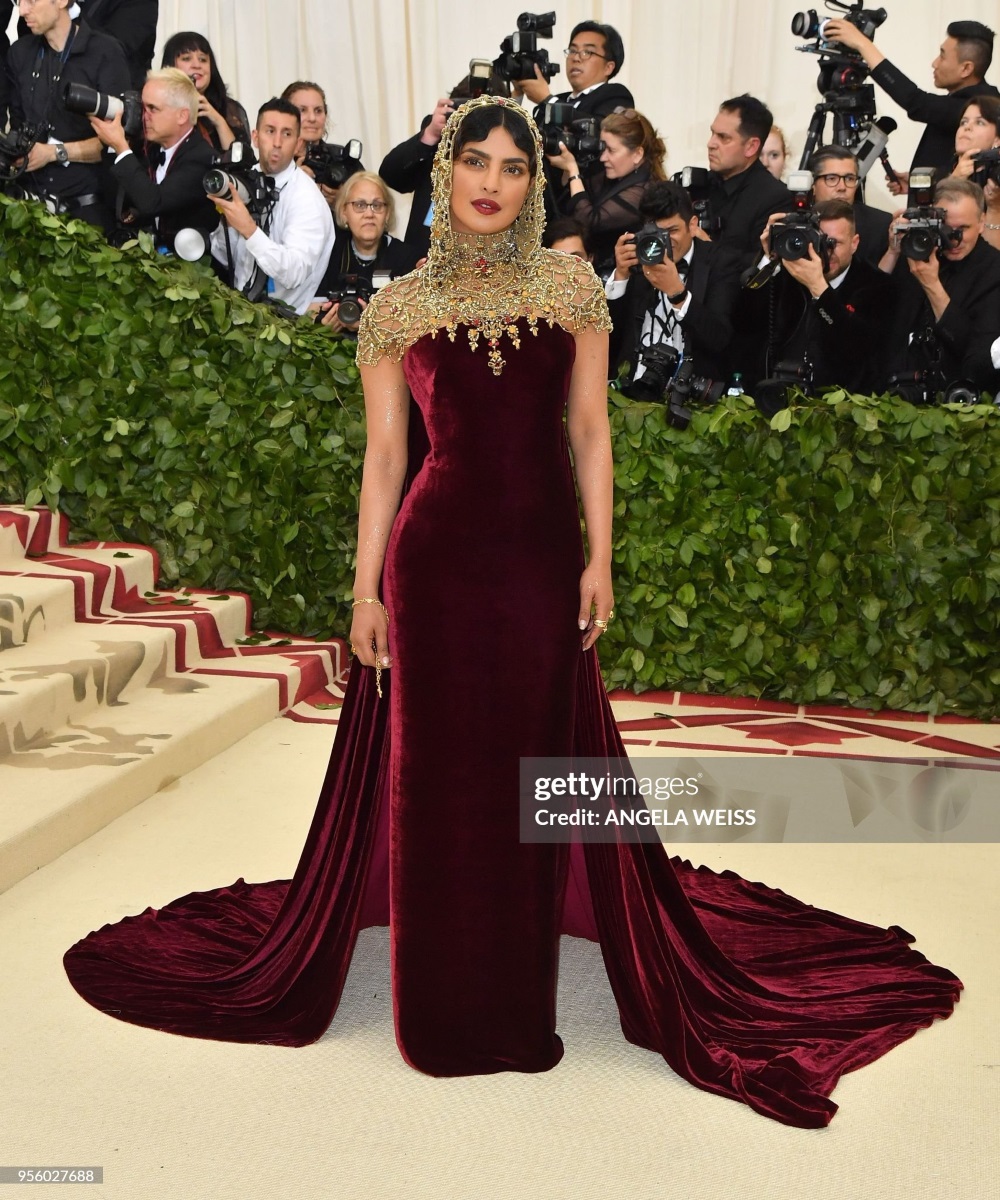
x: 58, y: 51
x: 363, y: 248
x: 160, y: 187
x: 948, y: 306
x: 827, y: 312
x: 221, y: 119
x: 632, y: 155
x: 294, y: 247
x: 407, y: 167
x: 686, y: 299
x: 593, y: 58
x: 743, y: 193
x: 314, y: 155
x: 835, y: 177
x: 959, y: 70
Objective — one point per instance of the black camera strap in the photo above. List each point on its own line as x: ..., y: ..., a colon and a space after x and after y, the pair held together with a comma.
x: 56, y: 64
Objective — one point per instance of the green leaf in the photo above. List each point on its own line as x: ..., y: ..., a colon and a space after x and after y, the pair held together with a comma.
x: 781, y: 420
x: 921, y: 487
x: 677, y: 615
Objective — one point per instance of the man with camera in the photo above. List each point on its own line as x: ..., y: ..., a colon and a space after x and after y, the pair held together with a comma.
x: 671, y: 286
x: 959, y: 70
x: 823, y: 314
x: 290, y: 239
x: 835, y: 177
x: 948, y: 302
x: 593, y: 58
x: 160, y: 186
x: 65, y: 161
x: 742, y: 192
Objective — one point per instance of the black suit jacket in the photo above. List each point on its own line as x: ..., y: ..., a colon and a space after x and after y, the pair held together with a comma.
x: 872, y: 226
x: 939, y: 114
x: 714, y: 284
x: 968, y: 326
x: 743, y: 203
x: 407, y: 168
x: 179, y: 201
x: 843, y: 332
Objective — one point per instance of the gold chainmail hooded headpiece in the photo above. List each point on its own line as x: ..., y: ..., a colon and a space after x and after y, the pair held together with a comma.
x: 483, y: 281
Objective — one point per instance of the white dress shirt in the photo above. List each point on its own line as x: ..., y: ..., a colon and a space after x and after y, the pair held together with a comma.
x: 666, y: 317
x: 295, y: 252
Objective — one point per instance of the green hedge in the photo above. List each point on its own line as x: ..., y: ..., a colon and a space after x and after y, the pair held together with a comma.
x: 847, y: 552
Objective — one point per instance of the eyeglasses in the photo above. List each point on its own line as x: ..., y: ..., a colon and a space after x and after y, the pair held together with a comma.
x: 583, y: 52
x: 377, y: 206
x: 832, y: 180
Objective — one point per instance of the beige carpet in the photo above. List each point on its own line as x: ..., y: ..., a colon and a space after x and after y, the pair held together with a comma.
x: 180, y: 1119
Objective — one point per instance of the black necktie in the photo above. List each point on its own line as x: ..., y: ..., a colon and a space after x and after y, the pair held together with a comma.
x: 156, y: 156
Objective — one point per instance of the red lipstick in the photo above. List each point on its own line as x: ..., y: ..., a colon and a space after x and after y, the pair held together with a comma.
x: 486, y: 206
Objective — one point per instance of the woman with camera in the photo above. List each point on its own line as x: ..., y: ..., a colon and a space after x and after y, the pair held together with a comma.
x: 364, y: 212
x: 314, y: 153
x: 978, y: 131
x: 632, y: 153
x: 221, y: 119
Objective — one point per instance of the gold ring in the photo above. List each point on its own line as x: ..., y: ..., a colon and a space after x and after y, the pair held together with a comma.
x: 599, y: 623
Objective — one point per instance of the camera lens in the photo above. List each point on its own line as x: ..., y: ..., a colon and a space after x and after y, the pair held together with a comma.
x: 349, y: 311
x: 805, y: 24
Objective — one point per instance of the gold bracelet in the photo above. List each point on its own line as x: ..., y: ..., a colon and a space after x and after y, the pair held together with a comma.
x: 378, y: 665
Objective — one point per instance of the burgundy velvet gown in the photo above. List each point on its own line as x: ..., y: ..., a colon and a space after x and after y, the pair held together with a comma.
x: 744, y: 990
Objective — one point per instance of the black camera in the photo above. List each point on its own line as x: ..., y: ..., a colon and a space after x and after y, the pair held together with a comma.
x: 659, y: 363
x: 986, y: 166
x: 809, y: 25
x: 257, y: 191
x: 78, y: 98
x: 351, y: 290
x: 15, y: 147
x: 687, y: 388
x: 580, y: 135
x: 792, y: 236
x: 480, y: 81
x: 771, y: 395
x: 652, y: 245
x: 697, y: 182
x: 926, y: 230
x: 519, y: 52
x: 330, y: 164
x: 841, y: 68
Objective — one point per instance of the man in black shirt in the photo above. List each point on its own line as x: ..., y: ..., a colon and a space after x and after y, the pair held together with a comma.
x: 829, y: 312
x: 743, y: 192
x: 131, y: 22
x: 959, y: 70
x: 57, y: 51
x: 948, y: 308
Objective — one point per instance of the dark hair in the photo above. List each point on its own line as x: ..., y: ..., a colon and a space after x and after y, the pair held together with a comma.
x: 564, y: 227
x: 477, y: 125
x: 989, y: 107
x: 975, y: 44
x: 614, y: 48
x: 755, y: 116
x: 217, y: 94
x: 303, y: 85
x: 663, y: 199
x: 276, y: 104
x: 836, y: 210
x: 825, y: 153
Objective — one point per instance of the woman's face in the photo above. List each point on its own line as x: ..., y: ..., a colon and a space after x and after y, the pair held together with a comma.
x: 312, y: 110
x: 975, y: 133
x: 368, y: 224
x: 489, y: 183
x: 617, y: 158
x: 197, y: 65
x: 773, y: 155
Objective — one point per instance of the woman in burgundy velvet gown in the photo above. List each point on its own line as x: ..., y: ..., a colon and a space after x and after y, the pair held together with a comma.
x: 470, y: 366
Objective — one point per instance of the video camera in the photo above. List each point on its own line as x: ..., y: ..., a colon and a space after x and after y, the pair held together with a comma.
x: 840, y: 67
x: 926, y: 230
x: 580, y: 135
x: 670, y: 378
x: 79, y: 98
x: 330, y: 164
x: 697, y: 182
x: 519, y: 52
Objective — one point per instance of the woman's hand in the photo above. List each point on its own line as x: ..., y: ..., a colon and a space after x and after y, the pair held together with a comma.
x: 597, y: 602
x: 370, y: 636
x: 965, y: 166
x: 333, y: 321
x: 564, y: 160
x: 212, y: 114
